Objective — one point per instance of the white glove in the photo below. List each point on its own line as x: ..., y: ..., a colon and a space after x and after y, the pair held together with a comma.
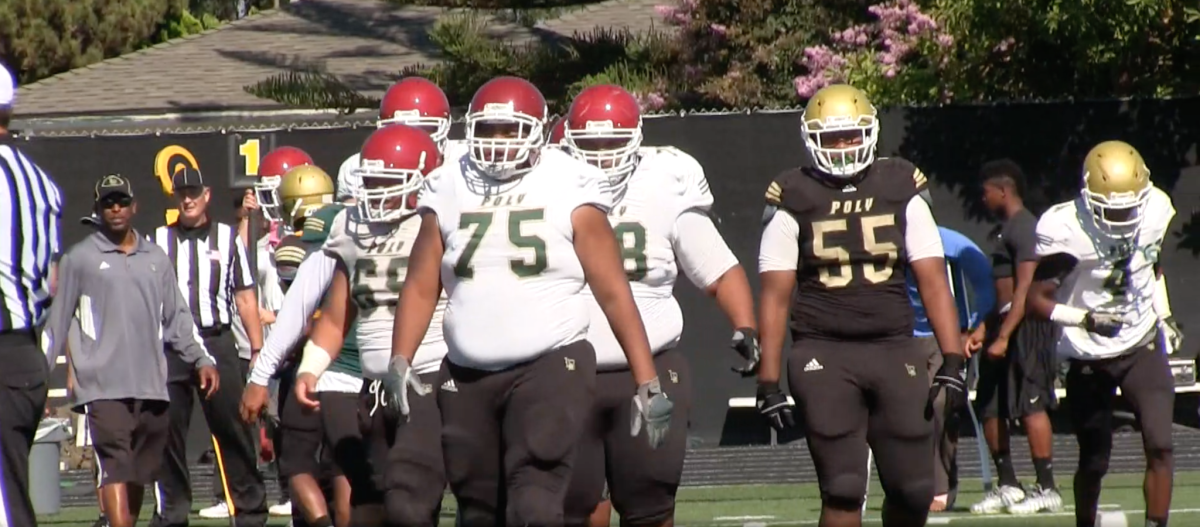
x: 399, y: 378
x: 1172, y: 335
x: 651, y: 408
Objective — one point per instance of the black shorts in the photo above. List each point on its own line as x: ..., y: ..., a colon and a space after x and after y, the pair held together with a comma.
x: 299, y: 433
x: 641, y: 481
x: 519, y: 426
x: 353, y: 445
x: 855, y: 395
x: 1144, y: 376
x: 129, y: 437
x: 1022, y: 382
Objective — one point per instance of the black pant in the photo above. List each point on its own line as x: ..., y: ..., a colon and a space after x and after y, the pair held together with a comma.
x: 23, y: 389
x: 237, y: 440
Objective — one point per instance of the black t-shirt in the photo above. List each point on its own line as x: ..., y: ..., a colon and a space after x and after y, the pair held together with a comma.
x: 851, y: 274
x: 1015, y: 242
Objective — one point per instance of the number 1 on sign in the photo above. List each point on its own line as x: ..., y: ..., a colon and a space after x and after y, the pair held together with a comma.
x: 252, y: 151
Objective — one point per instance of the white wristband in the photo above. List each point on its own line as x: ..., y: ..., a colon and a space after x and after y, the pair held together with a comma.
x: 1162, y: 304
x: 1065, y: 315
x: 315, y: 361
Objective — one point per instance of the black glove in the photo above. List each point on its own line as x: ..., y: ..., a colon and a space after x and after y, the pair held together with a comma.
x: 774, y: 406
x: 951, y: 379
x: 1103, y: 324
x: 745, y: 342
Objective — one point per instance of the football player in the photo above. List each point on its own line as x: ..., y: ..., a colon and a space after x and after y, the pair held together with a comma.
x: 271, y: 169
x: 1015, y: 381
x: 845, y: 233
x: 372, y: 242
x: 660, y: 214
x: 1098, y: 276
x: 414, y: 101
x: 514, y: 231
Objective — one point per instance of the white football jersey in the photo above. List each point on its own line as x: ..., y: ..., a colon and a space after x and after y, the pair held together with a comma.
x: 666, y: 184
x: 376, y: 255
x: 510, y: 269
x: 1111, y: 276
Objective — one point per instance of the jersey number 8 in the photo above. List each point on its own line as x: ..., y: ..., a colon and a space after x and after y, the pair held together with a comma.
x: 870, y: 271
x: 480, y: 222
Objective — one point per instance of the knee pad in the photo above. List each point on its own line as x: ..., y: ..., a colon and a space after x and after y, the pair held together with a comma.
x: 911, y: 495
x: 470, y: 514
x: 409, y: 512
x: 1093, y: 464
x: 533, y: 506
x: 844, y: 492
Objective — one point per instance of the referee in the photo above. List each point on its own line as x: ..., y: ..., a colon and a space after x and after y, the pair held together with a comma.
x: 30, y: 212
x: 214, y: 275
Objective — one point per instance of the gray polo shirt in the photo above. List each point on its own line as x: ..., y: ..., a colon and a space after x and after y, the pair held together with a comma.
x: 127, y: 306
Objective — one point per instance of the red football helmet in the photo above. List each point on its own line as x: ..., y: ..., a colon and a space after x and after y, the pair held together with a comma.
x: 394, y: 162
x: 271, y: 169
x: 504, y: 125
x: 558, y: 131
x: 604, y: 128
x: 416, y: 101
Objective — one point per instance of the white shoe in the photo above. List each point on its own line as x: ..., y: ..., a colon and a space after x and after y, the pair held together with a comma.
x: 216, y: 512
x: 281, y: 509
x: 999, y: 499
x: 1038, y: 500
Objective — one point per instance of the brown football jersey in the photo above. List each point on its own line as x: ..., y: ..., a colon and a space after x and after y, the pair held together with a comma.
x: 851, y: 274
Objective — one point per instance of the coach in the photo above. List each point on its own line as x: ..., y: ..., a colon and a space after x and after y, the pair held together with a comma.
x: 214, y: 274
x: 30, y: 212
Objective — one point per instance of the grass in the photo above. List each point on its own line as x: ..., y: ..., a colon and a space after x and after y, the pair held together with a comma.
x: 770, y: 505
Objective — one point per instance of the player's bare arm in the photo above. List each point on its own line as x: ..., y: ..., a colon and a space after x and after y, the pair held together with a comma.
x: 325, y: 340
x: 773, y: 302
x: 422, y: 288
x: 733, y: 296
x: 1024, y: 277
x: 596, y: 246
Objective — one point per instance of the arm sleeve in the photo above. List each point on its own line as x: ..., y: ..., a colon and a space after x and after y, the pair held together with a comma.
x: 701, y: 250
x: 241, y: 276
x: 178, y: 327
x: 921, y: 237
x: 302, y: 300
x: 978, y: 271
x: 62, y: 311
x: 780, y: 246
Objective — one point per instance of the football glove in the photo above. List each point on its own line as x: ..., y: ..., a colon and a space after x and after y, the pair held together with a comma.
x: 951, y: 380
x: 745, y: 342
x: 652, y: 411
x: 399, y: 378
x: 774, y: 406
x: 1103, y: 324
x: 1172, y: 334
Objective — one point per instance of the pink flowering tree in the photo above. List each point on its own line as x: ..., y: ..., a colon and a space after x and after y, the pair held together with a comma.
x: 900, y: 57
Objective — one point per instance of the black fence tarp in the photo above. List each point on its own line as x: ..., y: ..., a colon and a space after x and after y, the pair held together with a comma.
x: 741, y: 153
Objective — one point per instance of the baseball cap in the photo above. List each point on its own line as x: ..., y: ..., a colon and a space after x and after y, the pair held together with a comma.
x: 187, y: 177
x: 8, y: 87
x: 288, y: 255
x: 113, y: 184
x: 316, y: 227
x: 91, y: 220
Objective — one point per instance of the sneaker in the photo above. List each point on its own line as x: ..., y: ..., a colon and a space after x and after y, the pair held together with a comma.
x: 281, y: 509
x: 100, y: 522
x: 998, y: 499
x: 1038, y: 500
x: 216, y: 512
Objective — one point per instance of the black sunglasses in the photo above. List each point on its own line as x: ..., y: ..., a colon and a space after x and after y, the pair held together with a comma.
x: 121, y: 201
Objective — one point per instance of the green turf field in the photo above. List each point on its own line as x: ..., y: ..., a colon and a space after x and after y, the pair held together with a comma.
x: 767, y: 505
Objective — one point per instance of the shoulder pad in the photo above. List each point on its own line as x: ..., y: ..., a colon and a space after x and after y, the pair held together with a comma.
x: 341, y: 244
x: 786, y: 191
x: 1054, y: 229
x: 906, y: 175
x: 685, y: 173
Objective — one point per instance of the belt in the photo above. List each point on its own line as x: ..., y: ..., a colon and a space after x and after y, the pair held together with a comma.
x: 214, y: 331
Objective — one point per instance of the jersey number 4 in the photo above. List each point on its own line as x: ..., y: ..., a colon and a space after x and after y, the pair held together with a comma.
x: 480, y: 222
x: 366, y: 272
x: 870, y: 270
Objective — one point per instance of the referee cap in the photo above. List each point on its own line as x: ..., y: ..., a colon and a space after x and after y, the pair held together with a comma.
x: 8, y: 87
x: 187, y: 178
x: 113, y: 184
x: 316, y: 227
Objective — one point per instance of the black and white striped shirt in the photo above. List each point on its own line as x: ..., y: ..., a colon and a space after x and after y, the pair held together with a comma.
x: 211, y: 265
x: 30, y: 237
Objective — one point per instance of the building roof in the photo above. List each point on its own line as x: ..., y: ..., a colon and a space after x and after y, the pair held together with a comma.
x: 365, y: 43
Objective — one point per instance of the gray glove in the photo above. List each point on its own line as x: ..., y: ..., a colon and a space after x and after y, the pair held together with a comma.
x: 399, y: 378
x: 651, y: 409
x: 1103, y: 324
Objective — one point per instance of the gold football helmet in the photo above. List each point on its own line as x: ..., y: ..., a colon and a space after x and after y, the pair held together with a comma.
x: 302, y: 191
x: 840, y: 130
x: 1116, y: 187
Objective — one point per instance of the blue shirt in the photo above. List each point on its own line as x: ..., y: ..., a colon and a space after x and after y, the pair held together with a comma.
x: 971, y: 284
